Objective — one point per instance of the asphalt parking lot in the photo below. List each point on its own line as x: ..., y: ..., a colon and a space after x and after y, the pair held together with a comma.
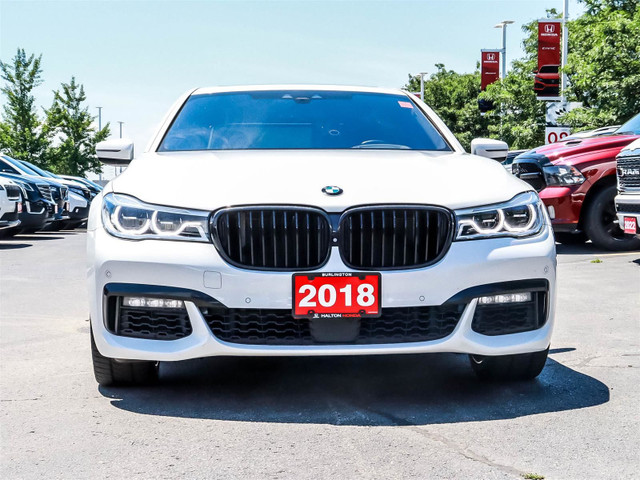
x: 308, y: 418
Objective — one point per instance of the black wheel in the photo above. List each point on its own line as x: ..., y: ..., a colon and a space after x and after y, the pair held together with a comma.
x: 601, y: 223
x: 9, y: 232
x: 567, y: 238
x: 54, y: 226
x: 110, y: 372
x: 524, y: 366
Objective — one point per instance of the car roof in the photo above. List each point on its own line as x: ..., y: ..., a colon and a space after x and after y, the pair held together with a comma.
x: 262, y: 88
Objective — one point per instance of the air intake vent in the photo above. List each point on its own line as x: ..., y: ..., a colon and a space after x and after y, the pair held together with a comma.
x: 273, y: 238
x: 376, y: 238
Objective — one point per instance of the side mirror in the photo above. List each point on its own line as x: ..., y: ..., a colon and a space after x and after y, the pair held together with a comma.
x: 117, y: 152
x: 489, y: 148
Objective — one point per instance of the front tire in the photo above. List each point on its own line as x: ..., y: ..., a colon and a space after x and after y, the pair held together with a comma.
x: 601, y: 223
x: 110, y: 372
x: 523, y: 366
x: 9, y: 232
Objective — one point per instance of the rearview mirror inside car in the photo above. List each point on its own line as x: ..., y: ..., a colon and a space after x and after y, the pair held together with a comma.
x: 116, y: 152
x: 490, y: 148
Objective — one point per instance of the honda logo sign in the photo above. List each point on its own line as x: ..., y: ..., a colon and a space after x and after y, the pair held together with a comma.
x: 491, y: 56
x: 549, y: 28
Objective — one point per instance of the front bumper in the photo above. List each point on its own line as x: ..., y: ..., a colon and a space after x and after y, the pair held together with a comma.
x: 79, y: 213
x: 198, y: 267
x: 628, y: 205
x: 563, y: 205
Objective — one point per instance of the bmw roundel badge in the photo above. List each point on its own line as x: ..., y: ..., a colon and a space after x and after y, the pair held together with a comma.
x: 332, y: 190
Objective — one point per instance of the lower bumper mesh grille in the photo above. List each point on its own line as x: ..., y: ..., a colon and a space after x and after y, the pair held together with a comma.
x: 153, y: 324
x: 278, y: 327
x: 628, y: 207
x: 503, y: 319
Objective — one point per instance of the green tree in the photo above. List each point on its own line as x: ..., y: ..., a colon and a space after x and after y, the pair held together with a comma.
x: 454, y: 97
x: 71, y: 122
x: 603, y: 65
x: 21, y: 132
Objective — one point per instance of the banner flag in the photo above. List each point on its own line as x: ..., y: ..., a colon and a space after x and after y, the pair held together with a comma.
x: 489, y: 67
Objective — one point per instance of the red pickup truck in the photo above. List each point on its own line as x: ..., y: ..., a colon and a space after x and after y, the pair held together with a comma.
x: 576, y: 180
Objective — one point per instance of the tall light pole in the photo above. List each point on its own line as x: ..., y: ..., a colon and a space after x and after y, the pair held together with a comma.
x: 120, y: 128
x: 565, y: 44
x: 422, y: 74
x: 503, y: 24
x: 99, y: 128
x: 99, y: 118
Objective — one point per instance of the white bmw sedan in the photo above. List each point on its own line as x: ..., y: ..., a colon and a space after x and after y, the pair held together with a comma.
x: 315, y: 220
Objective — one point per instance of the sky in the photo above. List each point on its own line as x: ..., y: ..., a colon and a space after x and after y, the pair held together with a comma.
x: 135, y: 58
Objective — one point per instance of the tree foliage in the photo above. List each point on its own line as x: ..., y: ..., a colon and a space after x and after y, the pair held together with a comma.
x: 454, y: 97
x: 521, y: 114
x: 71, y: 122
x: 21, y: 132
x: 603, y: 65
x: 603, y: 69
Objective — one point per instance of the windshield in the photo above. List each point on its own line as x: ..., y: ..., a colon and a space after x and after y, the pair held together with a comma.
x: 549, y: 69
x: 38, y: 170
x: 23, y: 169
x: 631, y: 127
x: 301, y: 120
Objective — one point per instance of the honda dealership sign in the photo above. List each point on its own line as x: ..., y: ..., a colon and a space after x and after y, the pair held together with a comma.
x: 547, y: 76
x: 489, y: 67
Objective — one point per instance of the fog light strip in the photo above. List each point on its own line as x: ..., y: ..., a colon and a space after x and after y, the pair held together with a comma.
x: 152, y: 302
x: 505, y: 298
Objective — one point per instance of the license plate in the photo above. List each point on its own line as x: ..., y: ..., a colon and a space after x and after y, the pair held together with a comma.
x: 630, y: 225
x: 336, y: 295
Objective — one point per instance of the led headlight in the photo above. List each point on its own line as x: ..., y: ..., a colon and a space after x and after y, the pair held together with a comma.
x: 562, y: 175
x: 522, y: 216
x: 127, y: 217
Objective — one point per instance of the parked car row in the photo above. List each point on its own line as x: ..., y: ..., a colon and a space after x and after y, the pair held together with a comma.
x: 576, y: 180
x: 41, y: 199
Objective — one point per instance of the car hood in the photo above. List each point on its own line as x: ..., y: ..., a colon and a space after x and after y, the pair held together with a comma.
x: 579, y: 146
x: 210, y: 180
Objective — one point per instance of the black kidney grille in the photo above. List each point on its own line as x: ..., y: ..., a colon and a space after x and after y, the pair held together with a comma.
x: 273, y: 238
x: 278, y: 327
x: 389, y: 238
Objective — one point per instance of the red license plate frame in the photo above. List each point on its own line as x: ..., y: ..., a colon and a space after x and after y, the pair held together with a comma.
x: 338, y: 281
x: 630, y: 225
